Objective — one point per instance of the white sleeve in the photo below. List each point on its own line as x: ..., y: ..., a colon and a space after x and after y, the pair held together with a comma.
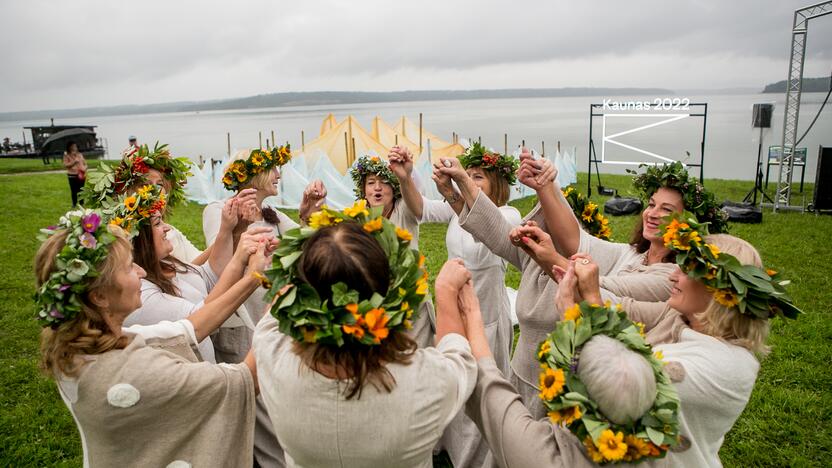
x: 609, y: 256
x: 183, y: 249
x: 159, y: 307
x: 436, y: 211
x: 165, y: 329
x: 211, y: 219
x: 459, y: 365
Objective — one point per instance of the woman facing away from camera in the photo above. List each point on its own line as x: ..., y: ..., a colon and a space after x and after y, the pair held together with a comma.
x: 711, y: 335
x: 348, y: 386
x: 138, y: 394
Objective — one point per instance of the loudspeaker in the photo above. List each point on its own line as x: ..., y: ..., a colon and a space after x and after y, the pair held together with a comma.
x: 761, y: 115
x: 822, y: 199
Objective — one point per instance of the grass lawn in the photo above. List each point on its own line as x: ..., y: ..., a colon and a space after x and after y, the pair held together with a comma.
x: 15, y: 165
x: 785, y: 423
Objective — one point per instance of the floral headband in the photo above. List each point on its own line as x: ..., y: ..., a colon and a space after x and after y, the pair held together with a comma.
x: 568, y: 403
x: 697, y: 199
x: 751, y: 290
x: 366, y: 165
x: 259, y: 160
x: 588, y: 214
x: 302, y: 314
x: 108, y: 182
x: 131, y: 211
x: 477, y: 156
x: 87, y: 245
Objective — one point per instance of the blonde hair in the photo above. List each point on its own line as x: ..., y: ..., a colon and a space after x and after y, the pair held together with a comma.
x: 728, y: 324
x: 259, y: 181
x: 87, y: 333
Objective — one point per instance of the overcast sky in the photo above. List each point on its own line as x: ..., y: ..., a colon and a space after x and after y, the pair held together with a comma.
x: 80, y: 53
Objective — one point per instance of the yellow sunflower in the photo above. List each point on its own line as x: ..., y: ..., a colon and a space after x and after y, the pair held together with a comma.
x: 566, y: 416
x: 320, y: 219
x: 545, y: 347
x: 551, y: 382
x: 611, y: 445
x: 373, y: 225
x: 726, y: 297
x: 572, y: 313
x: 589, y: 209
x: 144, y: 191
x: 592, y: 450
x: 422, y: 286
x: 714, y: 250
x: 358, y: 208
x: 131, y: 203
x: 636, y: 448
x: 404, y: 234
x: 257, y: 159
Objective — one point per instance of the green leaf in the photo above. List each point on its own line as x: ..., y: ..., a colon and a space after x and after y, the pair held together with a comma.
x: 657, y: 437
x: 342, y: 296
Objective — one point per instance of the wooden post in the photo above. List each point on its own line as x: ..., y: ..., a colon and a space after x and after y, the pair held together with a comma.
x: 267, y: 143
x: 228, y: 136
x: 523, y: 143
x: 260, y: 139
x: 558, y: 146
x: 396, y: 139
x: 543, y: 148
x: 479, y: 139
x: 347, y: 147
x: 353, y: 152
x: 274, y: 142
x: 420, y: 133
x: 302, y: 141
x: 505, y: 142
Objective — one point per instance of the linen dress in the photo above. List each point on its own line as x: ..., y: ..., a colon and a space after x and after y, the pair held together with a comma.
x: 535, y: 304
x: 424, y: 326
x: 154, y: 404
x: 318, y: 426
x: 462, y: 439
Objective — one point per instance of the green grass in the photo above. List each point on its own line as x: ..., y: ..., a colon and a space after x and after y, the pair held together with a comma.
x: 16, y: 165
x: 786, y: 421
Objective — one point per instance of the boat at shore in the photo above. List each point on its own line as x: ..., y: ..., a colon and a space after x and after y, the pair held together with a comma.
x: 49, y: 142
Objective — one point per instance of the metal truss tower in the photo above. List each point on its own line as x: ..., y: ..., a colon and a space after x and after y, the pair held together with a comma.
x: 793, y: 87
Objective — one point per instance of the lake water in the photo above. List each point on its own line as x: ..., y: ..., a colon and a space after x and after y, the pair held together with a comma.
x: 730, y: 142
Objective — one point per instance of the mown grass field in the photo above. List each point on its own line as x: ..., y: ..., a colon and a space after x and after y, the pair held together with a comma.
x: 785, y: 424
x: 17, y: 165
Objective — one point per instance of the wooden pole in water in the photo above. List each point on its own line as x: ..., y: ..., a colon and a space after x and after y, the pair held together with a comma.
x: 274, y: 142
x: 396, y: 139
x: 505, y: 142
x: 523, y: 143
x: 302, y: 141
x: 228, y: 136
x: 479, y: 139
x: 260, y: 139
x: 420, y: 133
x: 353, y: 152
x: 543, y: 148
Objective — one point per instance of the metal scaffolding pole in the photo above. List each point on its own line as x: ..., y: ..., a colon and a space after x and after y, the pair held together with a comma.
x: 794, y: 84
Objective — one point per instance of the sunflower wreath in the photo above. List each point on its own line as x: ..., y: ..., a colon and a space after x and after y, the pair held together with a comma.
x: 302, y: 314
x: 259, y: 160
x: 697, y: 199
x: 588, y: 213
x: 108, y: 182
x: 366, y: 165
x: 753, y: 291
x: 477, y: 156
x: 131, y: 211
x: 567, y: 400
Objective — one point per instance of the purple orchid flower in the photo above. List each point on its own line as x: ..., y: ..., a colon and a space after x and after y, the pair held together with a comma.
x: 91, y: 222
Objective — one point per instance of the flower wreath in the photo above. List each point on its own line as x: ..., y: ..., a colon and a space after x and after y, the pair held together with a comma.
x: 302, y: 314
x: 588, y: 214
x: 108, y: 182
x: 366, y: 165
x: 477, y: 156
x: 697, y: 199
x: 131, y: 211
x: 751, y: 290
x: 58, y: 299
x: 259, y: 160
x: 567, y: 400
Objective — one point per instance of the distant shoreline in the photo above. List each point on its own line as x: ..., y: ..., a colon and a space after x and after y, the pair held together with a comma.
x: 320, y: 98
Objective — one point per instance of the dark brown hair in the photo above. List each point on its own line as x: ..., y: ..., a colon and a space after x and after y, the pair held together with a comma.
x: 641, y: 243
x: 500, y: 189
x: 144, y: 255
x: 346, y: 253
x: 87, y: 333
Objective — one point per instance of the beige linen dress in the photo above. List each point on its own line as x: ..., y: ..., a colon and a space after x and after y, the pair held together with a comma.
x: 153, y: 404
x: 535, y: 305
x: 318, y: 427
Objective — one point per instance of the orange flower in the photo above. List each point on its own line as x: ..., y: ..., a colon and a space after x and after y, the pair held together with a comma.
x: 354, y: 330
x: 377, y: 324
x: 404, y: 234
x: 572, y: 313
x: 373, y: 226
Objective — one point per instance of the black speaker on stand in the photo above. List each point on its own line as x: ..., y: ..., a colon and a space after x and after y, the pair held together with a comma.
x: 748, y: 211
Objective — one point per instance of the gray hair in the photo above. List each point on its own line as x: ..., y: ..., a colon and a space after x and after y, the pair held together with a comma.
x: 618, y: 379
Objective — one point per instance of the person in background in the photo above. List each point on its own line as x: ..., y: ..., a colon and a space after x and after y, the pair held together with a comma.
x: 76, y: 170
x: 132, y: 144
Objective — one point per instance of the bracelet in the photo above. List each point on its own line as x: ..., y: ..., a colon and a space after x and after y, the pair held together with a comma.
x: 264, y: 282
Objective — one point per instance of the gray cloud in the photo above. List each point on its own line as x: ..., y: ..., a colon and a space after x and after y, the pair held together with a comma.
x: 86, y: 53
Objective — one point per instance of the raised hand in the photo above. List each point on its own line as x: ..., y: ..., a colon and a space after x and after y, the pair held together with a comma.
x: 230, y: 215
x: 248, y: 210
x: 443, y: 183
x: 538, y: 245
x: 249, y: 241
x: 401, y: 161
x: 453, y: 275
x: 314, y: 195
x: 588, y: 277
x: 567, y: 294
x: 536, y: 174
x: 452, y: 168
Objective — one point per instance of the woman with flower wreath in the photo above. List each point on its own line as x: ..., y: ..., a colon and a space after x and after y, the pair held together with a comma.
x: 713, y: 329
x: 607, y: 396
x: 140, y: 166
x: 344, y: 383
x: 389, y: 185
x: 138, y: 394
x: 493, y: 174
